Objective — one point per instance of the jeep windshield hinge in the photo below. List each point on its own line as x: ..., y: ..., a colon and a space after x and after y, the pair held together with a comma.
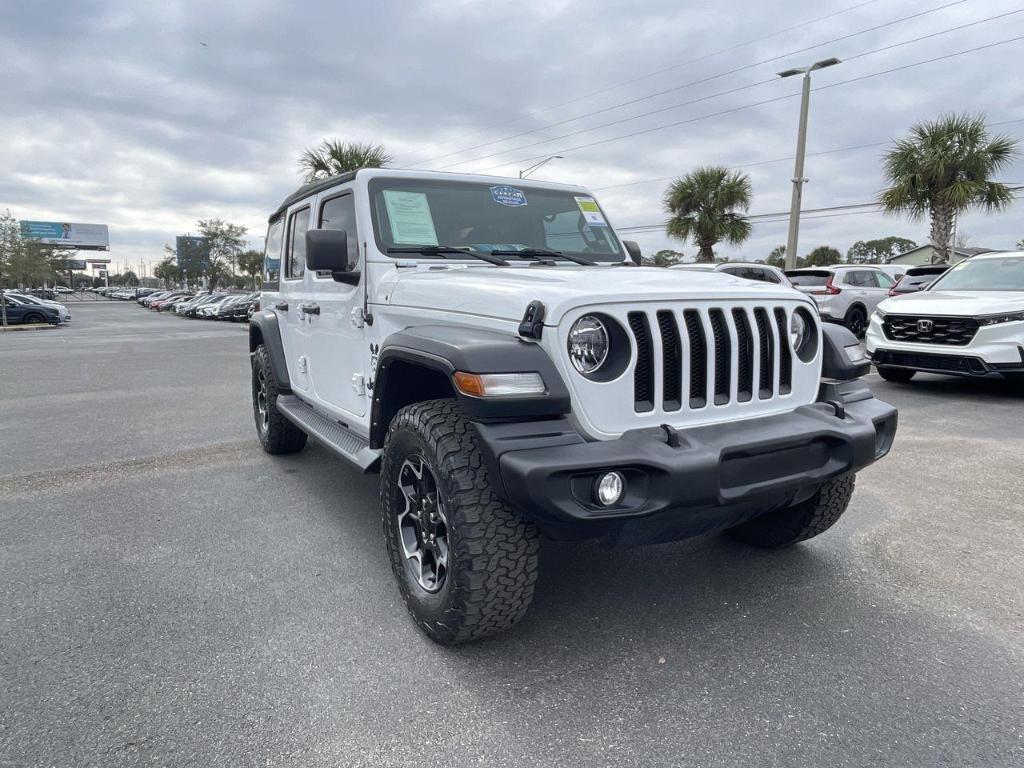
x: 532, y: 324
x: 366, y: 317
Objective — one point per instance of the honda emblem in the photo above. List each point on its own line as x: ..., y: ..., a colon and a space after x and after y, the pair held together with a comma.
x: 925, y: 326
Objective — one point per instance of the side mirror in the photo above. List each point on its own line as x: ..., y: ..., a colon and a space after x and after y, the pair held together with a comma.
x: 327, y: 251
x: 633, y: 249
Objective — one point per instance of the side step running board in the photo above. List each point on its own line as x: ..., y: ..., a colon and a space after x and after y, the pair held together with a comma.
x: 339, y: 439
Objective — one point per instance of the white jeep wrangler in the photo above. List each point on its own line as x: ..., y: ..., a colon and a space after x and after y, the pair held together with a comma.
x: 490, y: 347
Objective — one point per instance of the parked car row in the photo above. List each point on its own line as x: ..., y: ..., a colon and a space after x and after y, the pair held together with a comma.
x: 28, y: 309
x: 205, y: 305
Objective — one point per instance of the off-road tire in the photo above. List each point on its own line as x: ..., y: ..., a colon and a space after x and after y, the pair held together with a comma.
x: 277, y: 434
x: 801, y: 521
x: 856, y: 321
x: 492, y: 550
x: 898, y: 375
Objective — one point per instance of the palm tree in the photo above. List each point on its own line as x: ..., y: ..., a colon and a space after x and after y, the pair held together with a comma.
x: 334, y: 156
x: 944, y: 169
x: 707, y: 206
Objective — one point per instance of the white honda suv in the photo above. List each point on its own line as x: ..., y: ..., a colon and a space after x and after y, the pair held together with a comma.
x: 969, y: 322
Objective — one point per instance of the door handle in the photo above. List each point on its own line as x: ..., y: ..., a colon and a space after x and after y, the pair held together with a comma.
x: 310, y: 309
x: 282, y: 306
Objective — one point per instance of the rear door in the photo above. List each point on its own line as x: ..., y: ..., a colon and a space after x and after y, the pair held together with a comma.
x: 294, y: 294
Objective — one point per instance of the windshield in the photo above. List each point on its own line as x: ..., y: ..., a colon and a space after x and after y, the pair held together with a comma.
x: 989, y: 274
x: 489, y: 217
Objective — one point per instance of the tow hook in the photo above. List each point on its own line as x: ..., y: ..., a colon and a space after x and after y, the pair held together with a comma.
x: 838, y: 407
x: 671, y: 435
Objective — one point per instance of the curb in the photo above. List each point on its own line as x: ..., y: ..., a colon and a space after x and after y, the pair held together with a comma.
x: 31, y: 327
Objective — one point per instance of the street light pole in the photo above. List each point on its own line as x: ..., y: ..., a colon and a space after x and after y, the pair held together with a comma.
x: 527, y: 171
x: 801, y: 147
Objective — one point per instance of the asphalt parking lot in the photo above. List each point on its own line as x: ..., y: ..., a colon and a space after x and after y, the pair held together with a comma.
x: 170, y: 595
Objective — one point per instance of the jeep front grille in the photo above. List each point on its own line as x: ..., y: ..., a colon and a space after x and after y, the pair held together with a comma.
x: 712, y: 355
x: 954, y: 331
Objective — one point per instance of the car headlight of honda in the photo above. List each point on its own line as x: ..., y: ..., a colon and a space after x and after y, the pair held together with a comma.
x: 1009, y: 317
x: 589, y: 344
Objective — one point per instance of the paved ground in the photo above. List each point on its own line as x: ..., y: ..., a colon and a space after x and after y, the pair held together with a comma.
x: 171, y: 596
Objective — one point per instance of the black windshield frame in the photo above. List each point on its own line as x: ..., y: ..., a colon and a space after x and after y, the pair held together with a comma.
x: 612, y: 253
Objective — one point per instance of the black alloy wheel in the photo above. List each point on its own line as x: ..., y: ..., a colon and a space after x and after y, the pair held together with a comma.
x: 422, y: 525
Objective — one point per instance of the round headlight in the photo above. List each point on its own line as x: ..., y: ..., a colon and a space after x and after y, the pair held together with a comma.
x: 588, y: 344
x: 797, y: 330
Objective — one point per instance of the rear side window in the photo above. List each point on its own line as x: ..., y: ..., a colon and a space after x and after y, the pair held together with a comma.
x: 762, y: 275
x: 340, y: 213
x: 884, y: 281
x: 295, y: 258
x: 272, y: 256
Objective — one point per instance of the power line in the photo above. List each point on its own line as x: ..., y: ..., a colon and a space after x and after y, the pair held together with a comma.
x: 828, y: 212
x: 756, y: 163
x: 717, y: 94
x: 746, y: 165
x: 638, y: 78
x: 683, y: 86
x: 750, y: 105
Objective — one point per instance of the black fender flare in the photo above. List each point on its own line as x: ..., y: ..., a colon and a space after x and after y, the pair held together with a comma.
x: 264, y: 329
x: 445, y: 349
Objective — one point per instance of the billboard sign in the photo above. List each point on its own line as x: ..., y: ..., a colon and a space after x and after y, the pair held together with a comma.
x: 85, y: 237
x: 193, y: 253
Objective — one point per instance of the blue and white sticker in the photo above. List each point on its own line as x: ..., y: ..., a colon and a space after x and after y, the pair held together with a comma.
x: 510, y: 196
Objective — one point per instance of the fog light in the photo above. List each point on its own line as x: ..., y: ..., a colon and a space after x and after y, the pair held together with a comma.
x: 609, y: 488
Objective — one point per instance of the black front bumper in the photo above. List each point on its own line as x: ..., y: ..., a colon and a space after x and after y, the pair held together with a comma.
x: 949, y: 364
x: 685, y: 483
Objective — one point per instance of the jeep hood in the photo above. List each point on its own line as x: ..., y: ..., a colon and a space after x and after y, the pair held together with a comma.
x: 504, y: 292
x: 959, y: 303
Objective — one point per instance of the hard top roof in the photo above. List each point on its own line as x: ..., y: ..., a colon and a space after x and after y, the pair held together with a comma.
x: 314, y: 187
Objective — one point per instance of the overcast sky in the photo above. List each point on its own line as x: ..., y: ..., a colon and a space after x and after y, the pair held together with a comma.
x: 149, y: 116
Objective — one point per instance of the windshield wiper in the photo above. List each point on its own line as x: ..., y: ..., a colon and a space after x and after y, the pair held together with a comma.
x: 538, y: 253
x: 441, y: 250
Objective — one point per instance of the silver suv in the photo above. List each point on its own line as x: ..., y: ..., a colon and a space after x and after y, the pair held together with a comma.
x: 763, y: 273
x: 844, y: 294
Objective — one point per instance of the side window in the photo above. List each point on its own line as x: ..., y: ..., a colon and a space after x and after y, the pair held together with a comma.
x: 761, y: 275
x: 295, y: 257
x: 884, y: 281
x: 340, y: 213
x: 857, y: 278
x: 272, y: 256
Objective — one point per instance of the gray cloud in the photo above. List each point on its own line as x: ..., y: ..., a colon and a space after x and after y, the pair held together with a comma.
x: 115, y: 112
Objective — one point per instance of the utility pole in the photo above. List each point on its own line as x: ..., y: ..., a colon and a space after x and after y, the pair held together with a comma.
x: 801, y: 147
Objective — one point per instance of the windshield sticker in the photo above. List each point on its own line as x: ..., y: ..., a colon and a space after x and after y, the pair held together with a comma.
x: 510, y: 196
x: 409, y: 214
x: 591, y: 213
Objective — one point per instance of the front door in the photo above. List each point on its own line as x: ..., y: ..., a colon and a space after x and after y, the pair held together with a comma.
x: 337, y: 348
